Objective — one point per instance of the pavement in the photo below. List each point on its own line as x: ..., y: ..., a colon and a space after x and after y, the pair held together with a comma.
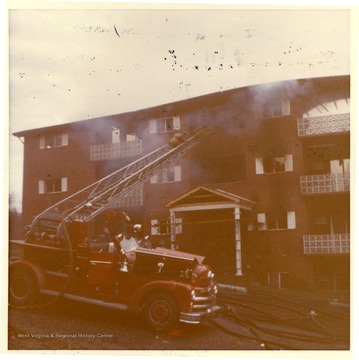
x: 243, y: 285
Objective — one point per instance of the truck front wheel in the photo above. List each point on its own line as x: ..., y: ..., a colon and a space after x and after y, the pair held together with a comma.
x: 22, y: 288
x: 161, y: 311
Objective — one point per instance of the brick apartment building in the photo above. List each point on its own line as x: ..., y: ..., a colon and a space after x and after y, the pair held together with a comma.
x: 264, y: 195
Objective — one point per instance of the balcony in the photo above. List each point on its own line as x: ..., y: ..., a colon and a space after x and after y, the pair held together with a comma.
x: 321, y: 125
x: 324, y: 183
x: 115, y: 150
x: 326, y: 244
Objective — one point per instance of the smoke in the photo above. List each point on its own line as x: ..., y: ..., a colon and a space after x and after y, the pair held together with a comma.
x: 293, y: 89
x: 229, y: 113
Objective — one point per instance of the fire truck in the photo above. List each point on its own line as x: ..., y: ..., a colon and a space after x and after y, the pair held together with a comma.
x: 64, y: 257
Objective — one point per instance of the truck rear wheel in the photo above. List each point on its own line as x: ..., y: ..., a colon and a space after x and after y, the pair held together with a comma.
x: 22, y: 288
x: 161, y: 311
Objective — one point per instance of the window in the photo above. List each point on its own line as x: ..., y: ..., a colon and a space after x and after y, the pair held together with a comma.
x: 278, y: 279
x: 167, y: 175
x: 278, y: 221
x: 133, y: 198
x: 340, y: 166
x: 160, y: 227
x: 163, y: 227
x: 165, y: 125
x: 53, y: 141
x: 277, y: 108
x: 131, y: 137
x: 320, y: 219
x: 116, y: 135
x: 269, y: 164
x: 52, y: 186
x: 216, y: 169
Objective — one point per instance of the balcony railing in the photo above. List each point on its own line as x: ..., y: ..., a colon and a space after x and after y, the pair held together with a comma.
x: 326, y: 244
x: 324, y: 183
x: 327, y: 124
x: 115, y: 150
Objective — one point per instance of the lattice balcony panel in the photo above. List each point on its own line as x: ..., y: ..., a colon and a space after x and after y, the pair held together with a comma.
x: 326, y: 244
x: 328, y: 124
x: 324, y: 183
x: 115, y: 150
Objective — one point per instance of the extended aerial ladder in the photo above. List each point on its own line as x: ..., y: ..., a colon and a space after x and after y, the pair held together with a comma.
x: 89, y: 202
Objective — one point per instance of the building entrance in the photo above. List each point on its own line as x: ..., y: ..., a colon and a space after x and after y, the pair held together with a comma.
x: 211, y: 226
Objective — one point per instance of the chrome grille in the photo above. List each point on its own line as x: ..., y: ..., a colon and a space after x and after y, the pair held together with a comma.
x: 204, y: 298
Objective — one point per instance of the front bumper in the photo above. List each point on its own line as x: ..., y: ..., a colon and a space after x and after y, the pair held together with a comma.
x: 197, y: 317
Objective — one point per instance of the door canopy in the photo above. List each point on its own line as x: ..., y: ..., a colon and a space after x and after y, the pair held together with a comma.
x: 205, y: 198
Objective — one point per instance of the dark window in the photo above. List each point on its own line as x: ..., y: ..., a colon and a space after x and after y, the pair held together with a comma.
x: 219, y: 169
x: 169, y: 124
x: 273, y: 164
x: 276, y: 108
x: 161, y: 126
x: 277, y: 221
x: 164, y: 227
x: 160, y: 227
x: 53, y: 185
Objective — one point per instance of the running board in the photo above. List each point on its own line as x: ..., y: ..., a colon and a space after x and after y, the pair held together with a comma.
x: 86, y: 300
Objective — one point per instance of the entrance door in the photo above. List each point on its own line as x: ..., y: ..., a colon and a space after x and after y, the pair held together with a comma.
x: 211, y: 233
x: 222, y: 256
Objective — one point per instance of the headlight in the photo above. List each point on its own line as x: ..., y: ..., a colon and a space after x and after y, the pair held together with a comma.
x: 193, y: 294
x: 210, y: 275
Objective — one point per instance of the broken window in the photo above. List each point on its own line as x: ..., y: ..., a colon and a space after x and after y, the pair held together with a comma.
x: 165, y: 125
x: 277, y: 108
x: 49, y: 186
x: 167, y: 175
x: 271, y: 164
x: 276, y: 221
x: 340, y: 166
x: 53, y: 141
x: 163, y: 227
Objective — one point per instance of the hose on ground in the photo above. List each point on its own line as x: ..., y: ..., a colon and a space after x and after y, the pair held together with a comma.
x: 329, y: 337
x: 260, y: 315
x: 254, y: 318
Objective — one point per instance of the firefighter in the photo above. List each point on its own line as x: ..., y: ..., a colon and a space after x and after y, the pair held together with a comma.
x: 115, y: 221
x: 142, y: 241
x: 128, y: 242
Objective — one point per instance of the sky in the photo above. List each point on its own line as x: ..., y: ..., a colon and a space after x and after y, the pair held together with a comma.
x: 75, y: 64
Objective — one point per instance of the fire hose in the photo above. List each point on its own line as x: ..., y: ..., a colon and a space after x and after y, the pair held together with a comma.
x: 252, y: 318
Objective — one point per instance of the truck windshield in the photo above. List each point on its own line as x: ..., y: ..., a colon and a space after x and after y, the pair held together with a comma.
x: 129, y: 244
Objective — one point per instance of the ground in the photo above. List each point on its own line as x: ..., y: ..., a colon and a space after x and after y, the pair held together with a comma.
x: 252, y: 319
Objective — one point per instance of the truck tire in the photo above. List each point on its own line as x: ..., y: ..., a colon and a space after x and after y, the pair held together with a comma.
x: 160, y: 311
x: 22, y: 288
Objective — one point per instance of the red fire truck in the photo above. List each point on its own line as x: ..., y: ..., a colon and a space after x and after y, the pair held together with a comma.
x: 64, y: 257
